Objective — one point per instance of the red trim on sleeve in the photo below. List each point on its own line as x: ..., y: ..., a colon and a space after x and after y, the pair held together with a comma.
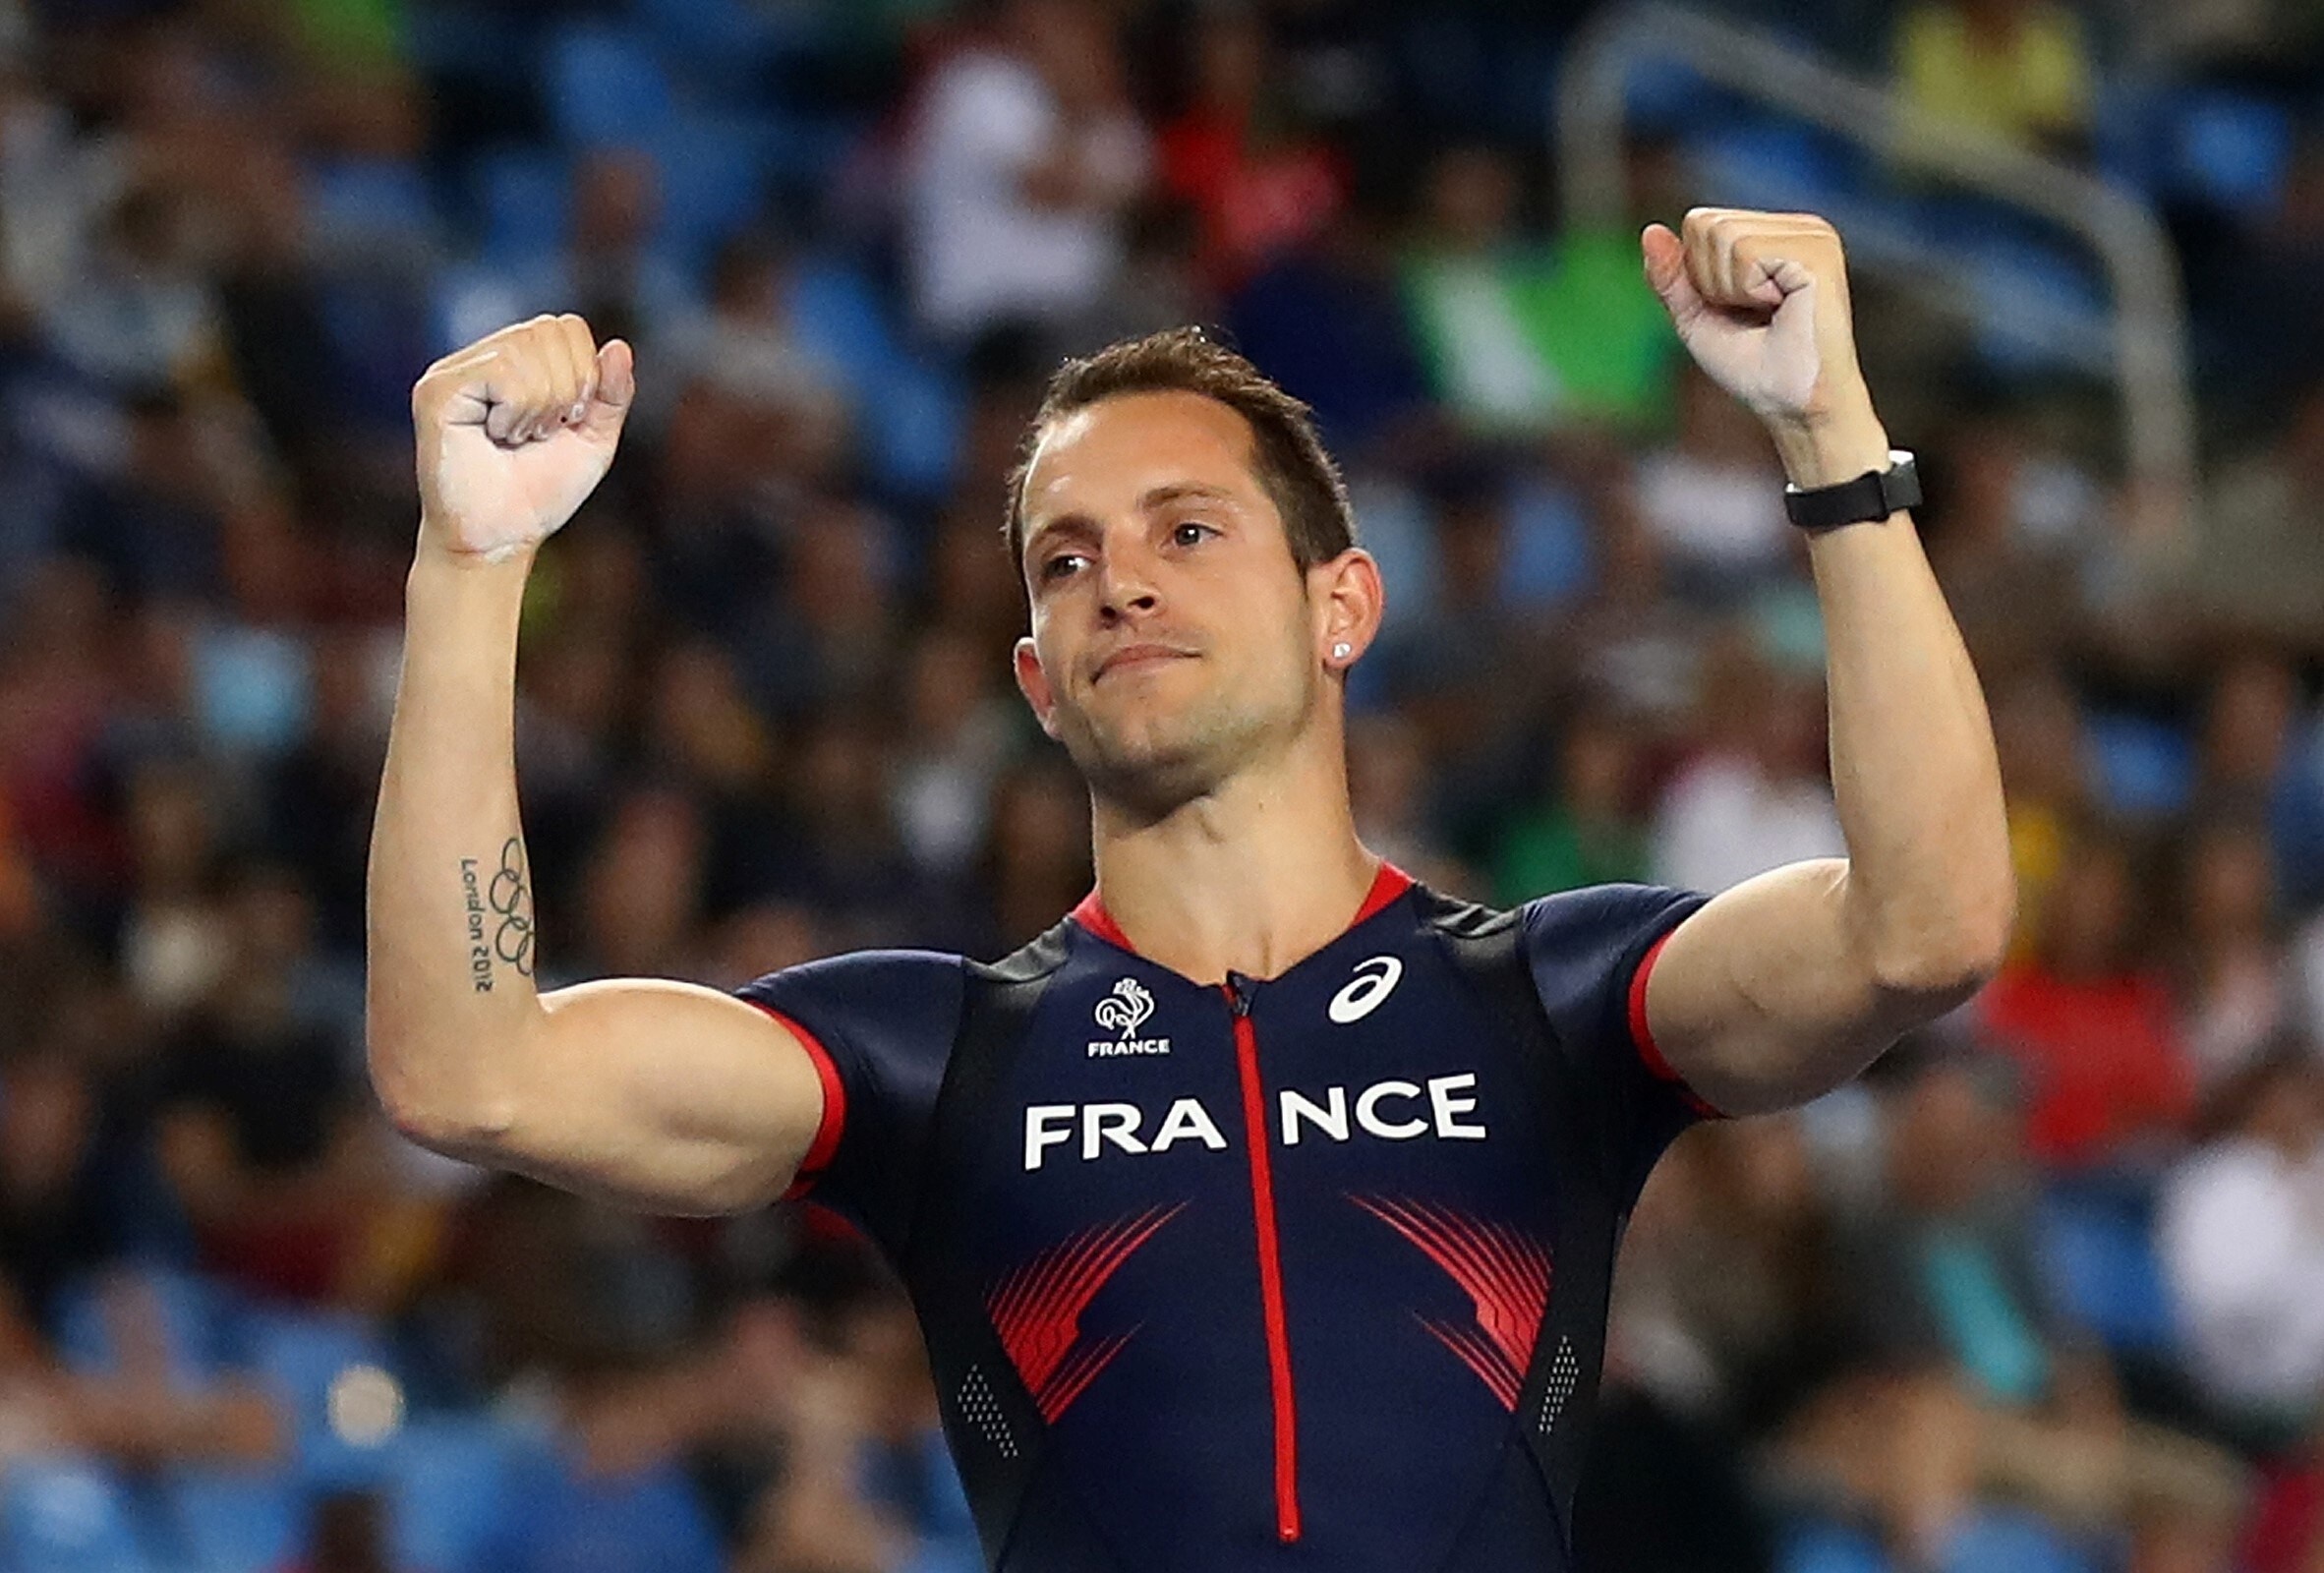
x: 1643, y: 1035
x: 826, y: 1144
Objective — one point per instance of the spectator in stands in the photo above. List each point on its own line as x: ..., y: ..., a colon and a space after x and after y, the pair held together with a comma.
x: 1728, y: 1296
x: 1713, y: 501
x: 747, y: 345
x: 145, y: 1409
x: 2090, y: 1023
x: 266, y: 1143
x: 347, y: 1533
x: 2017, y: 70
x: 1024, y: 155
x: 1035, y: 861
x: 1754, y: 797
x: 611, y: 270
x: 2261, y: 761
x: 1464, y: 670
x: 2038, y: 734
x: 1389, y: 775
x: 2238, y: 991
x: 1521, y: 334
x: 1583, y: 827
x: 2241, y: 1235
x: 1950, y: 1300
x: 2256, y: 572
x: 960, y: 730
x: 1257, y: 182
x: 642, y: 893
x: 2004, y: 551
x: 1327, y: 325
x: 1948, y: 1271
x: 175, y: 943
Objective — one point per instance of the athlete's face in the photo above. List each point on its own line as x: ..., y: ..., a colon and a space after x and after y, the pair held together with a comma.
x: 1174, y: 639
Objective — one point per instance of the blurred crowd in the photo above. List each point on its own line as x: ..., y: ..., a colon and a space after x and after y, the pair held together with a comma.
x: 2045, y: 1293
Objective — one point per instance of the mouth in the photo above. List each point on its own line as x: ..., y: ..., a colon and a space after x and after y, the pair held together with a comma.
x: 1139, y: 658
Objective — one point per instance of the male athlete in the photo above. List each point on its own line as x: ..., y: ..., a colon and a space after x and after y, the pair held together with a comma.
x: 1262, y: 1214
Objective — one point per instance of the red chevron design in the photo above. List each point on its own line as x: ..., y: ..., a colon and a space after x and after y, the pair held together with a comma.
x: 1505, y: 1274
x: 1037, y: 1309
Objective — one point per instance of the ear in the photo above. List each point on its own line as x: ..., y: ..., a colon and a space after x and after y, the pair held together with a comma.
x: 1033, y: 683
x: 1348, y: 600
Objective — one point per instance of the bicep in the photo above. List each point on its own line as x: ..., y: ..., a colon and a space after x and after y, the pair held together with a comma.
x: 1765, y: 999
x: 663, y: 1095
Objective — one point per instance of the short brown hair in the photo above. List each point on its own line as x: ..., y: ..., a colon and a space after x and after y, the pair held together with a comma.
x: 1287, y: 455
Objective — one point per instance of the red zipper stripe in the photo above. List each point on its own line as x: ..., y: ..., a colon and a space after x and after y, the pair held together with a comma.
x: 1271, y: 1264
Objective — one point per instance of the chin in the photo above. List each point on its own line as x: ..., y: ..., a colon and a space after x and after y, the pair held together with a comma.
x: 1150, y: 768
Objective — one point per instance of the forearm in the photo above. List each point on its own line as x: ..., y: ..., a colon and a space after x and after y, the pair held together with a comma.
x: 1929, y: 894
x: 450, y: 988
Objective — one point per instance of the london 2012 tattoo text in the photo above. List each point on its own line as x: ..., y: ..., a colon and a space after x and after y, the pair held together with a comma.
x: 480, y: 955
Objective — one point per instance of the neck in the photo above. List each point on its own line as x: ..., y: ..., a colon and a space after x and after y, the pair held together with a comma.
x: 1250, y: 878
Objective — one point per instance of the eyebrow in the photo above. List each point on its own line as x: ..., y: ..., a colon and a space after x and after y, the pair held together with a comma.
x: 1153, y: 498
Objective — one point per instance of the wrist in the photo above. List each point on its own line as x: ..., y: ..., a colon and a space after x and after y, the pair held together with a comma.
x: 1825, y: 449
x: 435, y: 555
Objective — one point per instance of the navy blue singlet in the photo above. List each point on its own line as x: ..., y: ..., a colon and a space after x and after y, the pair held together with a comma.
x: 1302, y: 1274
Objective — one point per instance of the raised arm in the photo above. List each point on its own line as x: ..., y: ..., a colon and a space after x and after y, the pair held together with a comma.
x: 657, y: 1094
x: 1792, y: 982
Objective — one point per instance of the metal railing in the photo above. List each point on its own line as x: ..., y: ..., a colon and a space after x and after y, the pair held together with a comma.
x: 2145, y: 353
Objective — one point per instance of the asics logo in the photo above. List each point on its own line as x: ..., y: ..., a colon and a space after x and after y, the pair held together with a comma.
x: 1375, y: 979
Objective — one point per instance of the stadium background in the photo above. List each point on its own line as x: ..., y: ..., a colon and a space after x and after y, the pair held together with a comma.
x: 2044, y: 1295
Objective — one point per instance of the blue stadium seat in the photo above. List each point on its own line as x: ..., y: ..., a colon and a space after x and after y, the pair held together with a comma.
x: 354, y: 201
x: 1662, y: 96
x: 232, y: 1521
x: 524, y: 203
x: 2125, y: 135
x: 2012, y: 1541
x: 1757, y: 162
x: 909, y: 411
x: 2231, y: 150
x: 727, y: 38
x: 1821, y: 1546
x: 68, y: 1516
x: 251, y: 688
x: 304, y: 1355
x: 563, y: 1522
x: 607, y: 86
x: 449, y: 39
x: 2044, y: 309
x: 714, y: 183
x: 192, y: 1314
x: 448, y: 1489
x: 2097, y: 1254
x: 2139, y: 768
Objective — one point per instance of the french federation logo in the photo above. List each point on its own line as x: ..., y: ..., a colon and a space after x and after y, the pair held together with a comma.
x: 1121, y: 1012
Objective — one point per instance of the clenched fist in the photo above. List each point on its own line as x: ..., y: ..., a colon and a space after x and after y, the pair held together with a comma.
x: 514, y: 432
x: 1761, y: 301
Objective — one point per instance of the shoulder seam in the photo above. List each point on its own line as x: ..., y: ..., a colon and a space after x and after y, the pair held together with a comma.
x: 1029, y: 963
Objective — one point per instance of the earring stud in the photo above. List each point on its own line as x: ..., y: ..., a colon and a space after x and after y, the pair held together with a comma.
x: 1339, y: 652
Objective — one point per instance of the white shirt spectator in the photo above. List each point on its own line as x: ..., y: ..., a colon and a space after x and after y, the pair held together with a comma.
x: 1727, y: 819
x: 2242, y: 1236
x: 981, y: 251
x: 1723, y: 517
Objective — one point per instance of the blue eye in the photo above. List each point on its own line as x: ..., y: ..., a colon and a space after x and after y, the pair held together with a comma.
x: 1063, y: 564
x: 1191, y: 534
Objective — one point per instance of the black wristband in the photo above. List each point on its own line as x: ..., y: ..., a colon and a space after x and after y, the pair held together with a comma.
x: 1874, y: 494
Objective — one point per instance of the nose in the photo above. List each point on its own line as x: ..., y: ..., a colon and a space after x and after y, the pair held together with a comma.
x: 1126, y: 585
